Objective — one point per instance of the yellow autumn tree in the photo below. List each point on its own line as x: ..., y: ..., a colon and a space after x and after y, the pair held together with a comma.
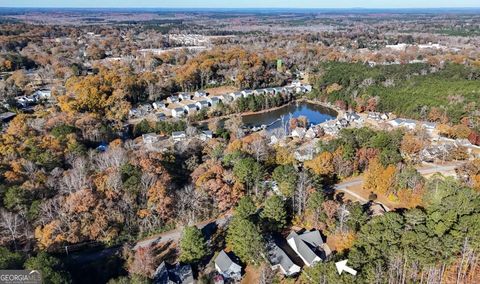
x: 378, y: 178
x: 322, y: 164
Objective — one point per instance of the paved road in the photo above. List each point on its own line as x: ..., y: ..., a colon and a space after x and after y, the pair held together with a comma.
x: 176, y: 234
x: 426, y: 169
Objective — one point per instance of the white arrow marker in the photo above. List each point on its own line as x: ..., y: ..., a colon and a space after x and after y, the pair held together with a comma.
x: 342, y: 266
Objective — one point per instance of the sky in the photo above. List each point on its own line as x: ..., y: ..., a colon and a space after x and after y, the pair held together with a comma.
x: 243, y: 3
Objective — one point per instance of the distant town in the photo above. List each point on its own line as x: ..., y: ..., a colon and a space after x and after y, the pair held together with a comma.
x: 243, y: 146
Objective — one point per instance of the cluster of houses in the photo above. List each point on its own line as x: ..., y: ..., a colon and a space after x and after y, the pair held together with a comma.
x: 288, y: 255
x: 185, y: 103
x: 152, y: 138
x: 38, y: 96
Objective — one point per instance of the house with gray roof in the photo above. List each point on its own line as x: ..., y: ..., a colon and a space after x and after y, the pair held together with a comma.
x: 279, y: 90
x: 200, y: 94
x: 172, y: 99
x: 309, y: 246
x: 280, y: 260
x: 173, y: 274
x: 212, y: 101
x: 202, y: 104
x: 178, y: 112
x: 190, y: 108
x: 227, y: 267
x: 259, y: 92
x: 247, y: 93
x: 235, y: 95
x: 185, y: 96
x: 179, y: 135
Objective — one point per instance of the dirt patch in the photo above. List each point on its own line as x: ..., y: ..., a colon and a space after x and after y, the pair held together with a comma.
x: 252, y: 275
x: 221, y: 90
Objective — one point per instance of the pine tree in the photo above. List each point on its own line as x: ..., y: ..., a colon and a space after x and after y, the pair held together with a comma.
x: 274, y: 213
x: 245, y: 239
x: 192, y: 245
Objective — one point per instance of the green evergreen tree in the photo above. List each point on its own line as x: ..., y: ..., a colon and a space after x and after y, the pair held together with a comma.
x: 245, y: 239
x: 274, y: 213
x: 192, y: 245
x: 245, y: 208
x: 49, y: 266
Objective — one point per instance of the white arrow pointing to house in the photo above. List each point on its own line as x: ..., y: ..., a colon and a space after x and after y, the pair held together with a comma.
x: 342, y: 266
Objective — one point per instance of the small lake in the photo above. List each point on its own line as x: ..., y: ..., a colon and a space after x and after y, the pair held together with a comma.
x: 273, y: 119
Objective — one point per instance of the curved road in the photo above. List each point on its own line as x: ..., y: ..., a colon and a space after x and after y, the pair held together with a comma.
x: 425, y: 170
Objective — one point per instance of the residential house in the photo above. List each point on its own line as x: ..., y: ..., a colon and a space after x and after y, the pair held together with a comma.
x: 178, y: 112
x: 206, y: 135
x: 190, y: 108
x: 235, y: 95
x: 296, y: 83
x: 247, y: 93
x: 213, y: 101
x: 227, y: 267
x: 299, y: 132
x: 173, y: 99
x: 7, y: 116
x: 43, y: 94
x: 309, y: 246
x: 158, y: 105
x: 259, y: 92
x: 353, y: 117
x: 179, y: 135
x: 279, y: 90
x: 185, y: 96
x: 310, y: 134
x: 226, y: 98
x: 160, y: 116
x: 150, y: 138
x: 202, y: 104
x: 403, y: 122
x: 200, y: 94
x: 173, y: 274
x: 280, y: 260
x: 269, y: 91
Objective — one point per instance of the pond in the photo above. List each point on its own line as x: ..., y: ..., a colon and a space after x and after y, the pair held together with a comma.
x: 273, y: 119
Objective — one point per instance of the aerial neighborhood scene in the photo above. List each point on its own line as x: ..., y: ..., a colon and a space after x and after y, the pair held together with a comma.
x: 286, y: 142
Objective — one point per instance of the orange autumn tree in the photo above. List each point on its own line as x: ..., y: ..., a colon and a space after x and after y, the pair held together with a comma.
x: 378, y: 178
x: 212, y: 178
x: 322, y: 164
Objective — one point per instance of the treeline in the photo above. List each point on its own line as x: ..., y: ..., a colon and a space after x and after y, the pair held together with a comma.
x: 410, y: 90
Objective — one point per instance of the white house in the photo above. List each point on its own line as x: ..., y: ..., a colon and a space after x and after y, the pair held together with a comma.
x: 235, y: 95
x: 403, y: 122
x: 185, y: 96
x: 190, y: 108
x: 270, y: 91
x: 247, y: 93
x: 179, y: 135
x: 310, y: 134
x: 202, y: 104
x: 212, y: 101
x: 173, y: 99
x: 42, y: 94
x: 278, y: 90
x: 158, y: 105
x: 296, y: 83
x: 299, y: 132
x: 178, y: 112
x: 150, y: 138
x: 206, y: 135
x: 259, y: 92
x: 309, y: 246
x: 226, y: 267
x: 280, y: 260
x: 200, y: 94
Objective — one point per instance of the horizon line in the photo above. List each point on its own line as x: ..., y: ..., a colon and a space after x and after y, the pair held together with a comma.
x: 235, y: 8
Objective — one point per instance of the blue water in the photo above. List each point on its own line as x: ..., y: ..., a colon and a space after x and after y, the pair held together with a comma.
x: 315, y: 114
